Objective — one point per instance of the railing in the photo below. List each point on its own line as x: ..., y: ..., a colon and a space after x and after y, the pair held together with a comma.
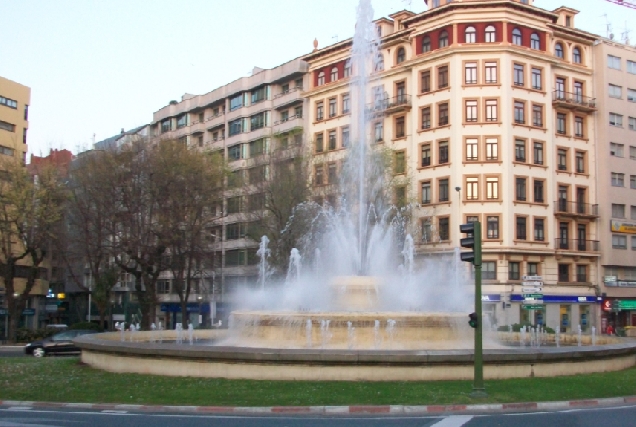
x: 296, y: 116
x: 576, y: 208
x: 577, y: 245
x: 214, y: 116
x: 288, y: 91
x: 382, y: 105
x: 574, y: 99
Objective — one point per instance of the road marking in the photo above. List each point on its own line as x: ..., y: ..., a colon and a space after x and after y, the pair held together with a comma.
x: 19, y: 408
x: 453, y: 421
x: 112, y: 411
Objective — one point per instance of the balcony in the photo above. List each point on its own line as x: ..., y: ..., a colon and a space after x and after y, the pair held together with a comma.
x: 285, y: 99
x: 573, y: 101
x: 566, y: 208
x: 576, y: 245
x: 388, y: 106
x: 291, y: 122
x: 215, y: 120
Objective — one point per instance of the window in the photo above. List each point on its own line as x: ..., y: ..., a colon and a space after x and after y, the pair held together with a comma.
x: 564, y: 272
x: 235, y: 179
x: 472, y: 153
x: 533, y: 268
x: 345, y: 137
x: 491, y: 34
x: 520, y: 150
x: 400, y: 127
x: 443, y: 190
x: 332, y: 140
x: 613, y: 62
x: 616, y: 149
x: 520, y: 112
x: 520, y: 189
x: 491, y: 110
x: 257, y: 121
x: 379, y: 62
x: 426, y: 81
x: 443, y: 152
x: 334, y: 74
x: 321, y: 78
x: 400, y: 196
x: 332, y: 107
x: 444, y: 228
x: 257, y: 147
x: 426, y: 118
x: 259, y: 95
x: 538, y: 191
x: 379, y: 131
x: 631, y: 95
x: 472, y: 188
x: 320, y: 143
x: 443, y: 39
x: 539, y: 229
x: 537, y: 81
x: 537, y: 115
x: 558, y: 50
x: 614, y: 91
x: 491, y: 72
x: 535, y: 41
x: 347, y: 68
x: 632, y: 212
x: 236, y: 127
x: 318, y: 175
x: 632, y: 123
x: 579, y: 160
x: 632, y: 182
x: 578, y: 91
x: 443, y: 114
x: 537, y: 153
x: 518, y: 72
x: 427, y: 230
x: 619, y: 242
x: 578, y: 127
x: 470, y: 72
x: 234, y: 205
x: 615, y: 120
x: 618, y: 211
x: 442, y: 77
x: 401, y: 55
x: 632, y: 152
x: 560, y: 123
x: 492, y: 227
x: 165, y: 125
x: 562, y: 159
x: 492, y: 149
x: 576, y: 55
x: 426, y: 155
x: 618, y: 179
x: 426, y: 44
x: 516, y: 37
x: 470, y: 35
x: 346, y: 103
x: 257, y: 175
x: 426, y: 192
x: 489, y: 270
x: 11, y: 103
x: 236, y: 102
x: 332, y: 172
x: 492, y: 188
x: 6, y: 151
x: 560, y: 88
x: 513, y: 270
x: 471, y: 111
x: 634, y: 243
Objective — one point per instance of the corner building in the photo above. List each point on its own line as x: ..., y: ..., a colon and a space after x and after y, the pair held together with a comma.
x: 488, y: 108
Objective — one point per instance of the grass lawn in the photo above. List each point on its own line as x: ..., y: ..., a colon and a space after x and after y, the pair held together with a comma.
x: 65, y: 380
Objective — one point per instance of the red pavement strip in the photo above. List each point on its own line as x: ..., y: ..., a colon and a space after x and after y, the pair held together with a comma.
x: 356, y: 409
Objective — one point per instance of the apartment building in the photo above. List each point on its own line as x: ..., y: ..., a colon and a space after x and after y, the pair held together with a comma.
x: 244, y: 120
x: 14, y: 118
x: 615, y: 85
x: 487, y: 107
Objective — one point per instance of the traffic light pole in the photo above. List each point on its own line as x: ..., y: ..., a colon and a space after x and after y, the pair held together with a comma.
x: 478, y: 382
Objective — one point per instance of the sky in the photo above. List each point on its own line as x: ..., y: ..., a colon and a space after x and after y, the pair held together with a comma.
x: 96, y: 66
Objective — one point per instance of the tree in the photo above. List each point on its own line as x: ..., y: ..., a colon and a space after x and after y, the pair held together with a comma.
x: 30, y: 210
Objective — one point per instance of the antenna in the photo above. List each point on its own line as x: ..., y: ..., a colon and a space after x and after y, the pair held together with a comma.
x: 608, y: 27
x: 335, y: 38
x: 625, y: 34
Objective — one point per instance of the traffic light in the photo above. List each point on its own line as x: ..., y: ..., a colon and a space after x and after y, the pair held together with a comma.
x: 473, y: 241
x: 473, y: 320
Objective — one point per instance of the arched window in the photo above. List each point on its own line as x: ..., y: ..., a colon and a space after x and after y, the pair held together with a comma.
x: 470, y: 35
x: 379, y: 62
x: 491, y: 34
x: 516, y: 37
x: 558, y: 50
x: 576, y: 55
x: 347, y: 68
x: 321, y: 78
x: 334, y: 74
x: 443, y: 39
x: 401, y: 55
x: 535, y: 42
x: 426, y: 44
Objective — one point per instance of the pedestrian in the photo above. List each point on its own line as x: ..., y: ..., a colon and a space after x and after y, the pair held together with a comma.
x: 610, y: 329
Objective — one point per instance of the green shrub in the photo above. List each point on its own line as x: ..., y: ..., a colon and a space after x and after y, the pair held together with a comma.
x: 87, y: 325
x: 28, y: 335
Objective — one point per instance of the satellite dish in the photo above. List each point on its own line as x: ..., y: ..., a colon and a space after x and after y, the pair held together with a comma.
x: 612, y: 36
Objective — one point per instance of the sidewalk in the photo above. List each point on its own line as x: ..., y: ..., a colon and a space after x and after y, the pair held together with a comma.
x: 342, y: 410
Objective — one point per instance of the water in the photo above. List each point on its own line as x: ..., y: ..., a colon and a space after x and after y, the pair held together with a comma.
x: 263, y: 266
x: 593, y: 335
x: 351, y: 335
x: 578, y: 335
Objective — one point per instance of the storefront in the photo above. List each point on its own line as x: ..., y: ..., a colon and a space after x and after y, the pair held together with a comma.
x: 199, y: 314
x: 565, y: 312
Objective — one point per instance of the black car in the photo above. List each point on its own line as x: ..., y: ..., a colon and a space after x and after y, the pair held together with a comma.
x: 60, y: 343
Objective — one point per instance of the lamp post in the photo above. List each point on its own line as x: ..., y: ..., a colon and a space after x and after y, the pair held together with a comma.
x: 200, y: 300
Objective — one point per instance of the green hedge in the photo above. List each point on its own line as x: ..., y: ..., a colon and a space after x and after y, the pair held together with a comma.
x: 28, y: 335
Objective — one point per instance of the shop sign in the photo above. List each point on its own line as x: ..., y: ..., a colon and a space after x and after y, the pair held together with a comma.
x: 623, y: 227
x: 560, y: 299
x: 491, y: 298
x: 624, y: 304
x: 531, y: 290
x: 532, y: 296
x: 534, y: 306
x: 621, y: 284
x: 28, y: 312
x: 50, y: 308
x: 609, y: 278
x: 3, y: 311
x: 532, y: 278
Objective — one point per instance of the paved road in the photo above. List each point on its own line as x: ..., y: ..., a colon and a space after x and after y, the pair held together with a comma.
x: 10, y: 351
x: 31, y: 417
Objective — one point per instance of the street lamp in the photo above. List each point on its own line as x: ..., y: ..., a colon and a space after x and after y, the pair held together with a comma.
x: 200, y: 299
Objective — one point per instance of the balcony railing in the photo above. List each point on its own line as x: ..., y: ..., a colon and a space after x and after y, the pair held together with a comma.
x: 576, y: 208
x: 389, y: 105
x: 577, y: 245
x: 573, y: 100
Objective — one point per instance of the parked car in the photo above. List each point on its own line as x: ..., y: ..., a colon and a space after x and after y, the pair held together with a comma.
x: 60, y: 343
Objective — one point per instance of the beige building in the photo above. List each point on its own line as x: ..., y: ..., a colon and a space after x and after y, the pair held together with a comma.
x: 487, y: 106
x: 615, y: 85
x: 14, y: 115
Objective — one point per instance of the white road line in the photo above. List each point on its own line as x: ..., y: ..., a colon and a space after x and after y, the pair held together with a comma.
x: 112, y: 411
x: 453, y: 421
x: 19, y: 408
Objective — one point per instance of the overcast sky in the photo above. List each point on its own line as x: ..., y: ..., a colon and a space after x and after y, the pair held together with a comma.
x: 96, y: 66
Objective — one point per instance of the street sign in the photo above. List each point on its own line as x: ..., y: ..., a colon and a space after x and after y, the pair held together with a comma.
x: 531, y: 290
x: 533, y: 296
x: 535, y: 284
x: 533, y: 306
x: 532, y: 278
x: 3, y: 311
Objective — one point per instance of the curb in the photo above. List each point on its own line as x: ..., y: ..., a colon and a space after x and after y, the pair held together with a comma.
x: 336, y: 410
